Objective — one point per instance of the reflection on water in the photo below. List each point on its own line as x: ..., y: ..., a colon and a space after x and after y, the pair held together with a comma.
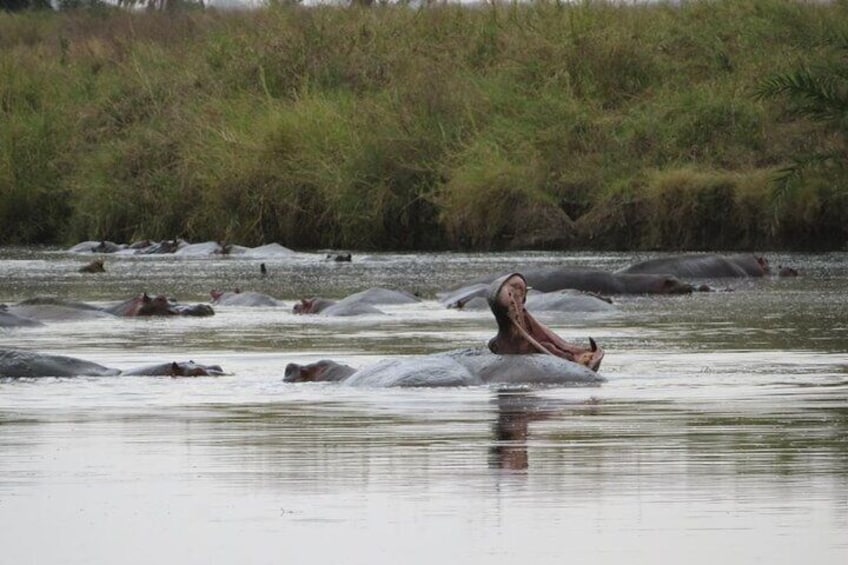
x: 722, y: 434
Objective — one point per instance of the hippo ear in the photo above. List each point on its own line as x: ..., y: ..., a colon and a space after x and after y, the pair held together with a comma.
x: 145, y: 298
x: 175, y: 369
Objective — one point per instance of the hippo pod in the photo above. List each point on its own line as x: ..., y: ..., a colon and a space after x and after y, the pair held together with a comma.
x: 15, y: 363
x: 181, y: 247
x: 466, y: 367
x: 523, y: 352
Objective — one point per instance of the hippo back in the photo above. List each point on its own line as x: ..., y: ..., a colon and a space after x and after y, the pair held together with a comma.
x: 423, y: 371
x: 17, y: 363
x: 526, y: 369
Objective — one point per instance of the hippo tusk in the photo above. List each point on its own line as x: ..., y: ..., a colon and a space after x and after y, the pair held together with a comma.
x: 530, y: 338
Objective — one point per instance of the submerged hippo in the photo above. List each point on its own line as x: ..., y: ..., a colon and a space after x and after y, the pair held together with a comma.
x: 239, y: 298
x: 359, y: 303
x: 15, y: 363
x: 466, y: 367
x: 49, y: 308
x: 12, y: 320
x: 53, y: 309
x: 523, y: 352
x: 160, y: 305
x: 95, y: 266
x: 703, y: 266
x: 473, y: 297
x: 597, y: 282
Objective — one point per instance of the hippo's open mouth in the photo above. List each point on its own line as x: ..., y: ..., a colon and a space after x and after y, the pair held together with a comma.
x: 519, y: 332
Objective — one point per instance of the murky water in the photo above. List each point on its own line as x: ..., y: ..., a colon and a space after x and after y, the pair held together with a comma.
x: 721, y: 436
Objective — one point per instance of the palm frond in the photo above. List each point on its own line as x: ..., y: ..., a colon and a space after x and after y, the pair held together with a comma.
x: 818, y: 96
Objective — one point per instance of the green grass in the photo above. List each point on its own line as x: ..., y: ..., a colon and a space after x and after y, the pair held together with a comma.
x: 544, y: 125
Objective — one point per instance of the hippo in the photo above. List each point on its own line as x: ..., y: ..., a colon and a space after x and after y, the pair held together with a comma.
x: 11, y: 320
x: 160, y: 305
x: 95, y: 266
x: 339, y: 257
x: 519, y: 332
x: 102, y: 246
x: 54, y: 309
x: 462, y: 367
x: 239, y: 298
x: 602, y: 282
x: 597, y: 282
x: 313, y: 305
x: 473, y: 297
x: 347, y: 307
x: 16, y: 363
x: 524, y: 351
x: 48, y: 308
x: 176, y: 369
x: 703, y: 266
x: 209, y: 248
x: 268, y: 250
x: 359, y: 303
x: 164, y: 247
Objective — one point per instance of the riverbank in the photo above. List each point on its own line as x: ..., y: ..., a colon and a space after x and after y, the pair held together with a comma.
x: 535, y: 126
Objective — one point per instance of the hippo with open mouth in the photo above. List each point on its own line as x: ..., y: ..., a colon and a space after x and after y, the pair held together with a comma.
x: 519, y: 332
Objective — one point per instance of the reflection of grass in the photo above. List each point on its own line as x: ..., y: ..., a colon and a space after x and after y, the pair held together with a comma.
x: 750, y: 441
x: 538, y: 125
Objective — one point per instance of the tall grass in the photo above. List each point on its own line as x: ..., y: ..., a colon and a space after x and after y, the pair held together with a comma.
x: 546, y: 125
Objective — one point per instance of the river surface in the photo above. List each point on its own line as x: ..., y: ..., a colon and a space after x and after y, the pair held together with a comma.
x: 721, y: 435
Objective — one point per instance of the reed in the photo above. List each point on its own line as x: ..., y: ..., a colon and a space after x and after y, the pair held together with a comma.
x: 544, y: 125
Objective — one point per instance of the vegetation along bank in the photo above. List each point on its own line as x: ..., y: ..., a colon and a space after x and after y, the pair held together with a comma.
x: 548, y: 125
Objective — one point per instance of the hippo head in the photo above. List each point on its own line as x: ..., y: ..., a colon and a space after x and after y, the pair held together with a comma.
x: 95, y: 266
x: 320, y: 371
x: 305, y: 306
x: 159, y: 305
x: 672, y: 285
x: 764, y: 264
x: 192, y: 369
x: 519, y: 332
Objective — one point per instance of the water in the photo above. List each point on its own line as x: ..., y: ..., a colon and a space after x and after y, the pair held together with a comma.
x: 721, y: 436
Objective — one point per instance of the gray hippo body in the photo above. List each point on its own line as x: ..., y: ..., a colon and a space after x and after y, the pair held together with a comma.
x: 244, y: 299
x: 357, y: 304
x: 15, y: 363
x: 567, y: 300
x: 703, y: 266
x: 12, y: 320
x: 465, y: 367
x: 159, y: 305
x: 52, y: 309
x: 382, y: 296
x: 602, y: 282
